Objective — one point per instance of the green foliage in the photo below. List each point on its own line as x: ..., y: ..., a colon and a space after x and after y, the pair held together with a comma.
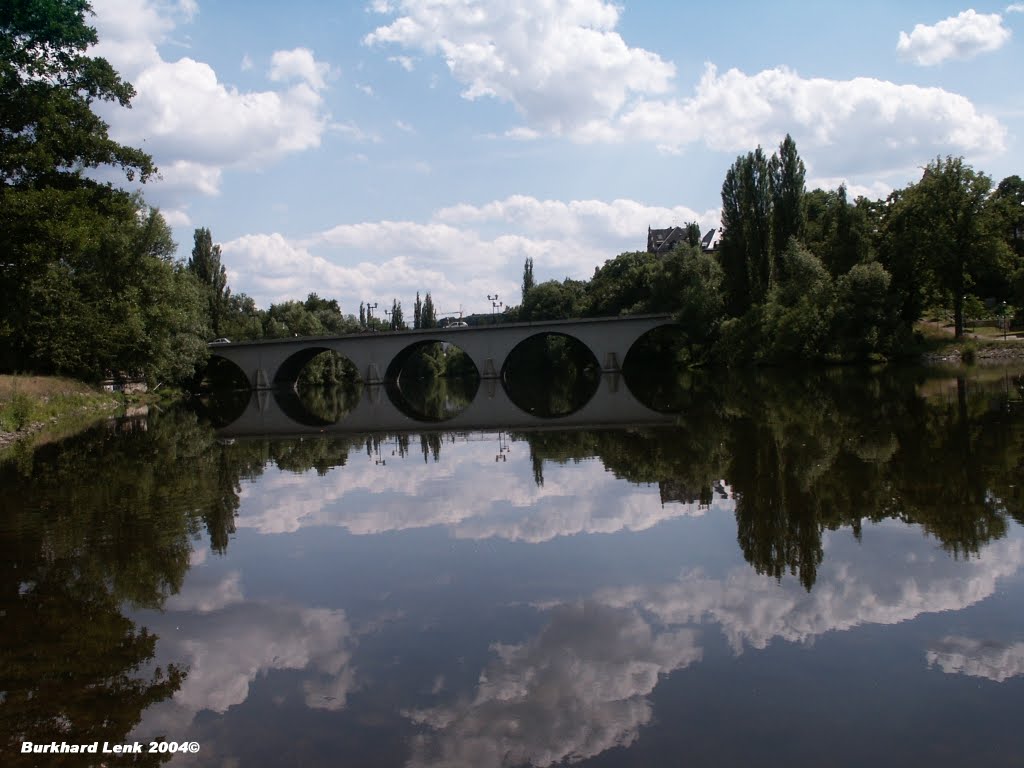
x: 623, y: 285
x: 866, y: 319
x: 93, y: 287
x: 205, y: 264
x: 696, y: 281
x: 428, y: 315
x: 798, y: 313
x: 944, y: 227
x: 836, y: 230
x: 746, y: 248
x: 552, y: 300
x: 528, y: 281
x: 49, y: 133
x: 16, y: 412
x: 786, y: 180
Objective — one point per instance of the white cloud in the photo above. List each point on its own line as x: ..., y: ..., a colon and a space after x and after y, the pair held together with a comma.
x: 247, y: 63
x: 405, y: 62
x: 462, y: 251
x: 569, y: 73
x: 193, y: 124
x: 865, y: 124
x: 366, y: 89
x: 1015, y: 8
x: 561, y: 65
x: 403, y: 126
x: 299, y: 64
x: 959, y: 37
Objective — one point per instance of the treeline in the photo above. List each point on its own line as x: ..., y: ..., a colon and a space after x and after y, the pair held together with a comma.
x: 801, y: 275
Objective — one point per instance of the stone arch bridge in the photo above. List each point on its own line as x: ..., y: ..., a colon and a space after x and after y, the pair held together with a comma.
x: 275, y: 363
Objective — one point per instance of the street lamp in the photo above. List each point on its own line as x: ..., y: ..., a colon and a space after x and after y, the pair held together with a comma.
x: 495, y: 304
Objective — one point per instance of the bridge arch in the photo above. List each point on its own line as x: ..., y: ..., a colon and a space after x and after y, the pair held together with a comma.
x: 547, y: 387
x: 404, y: 355
x: 287, y: 374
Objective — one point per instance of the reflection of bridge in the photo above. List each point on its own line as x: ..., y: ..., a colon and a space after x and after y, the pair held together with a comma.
x: 279, y: 413
x: 379, y: 356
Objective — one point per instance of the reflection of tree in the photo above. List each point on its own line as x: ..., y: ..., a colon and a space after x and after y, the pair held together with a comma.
x: 72, y: 665
x: 99, y: 522
x: 824, y: 450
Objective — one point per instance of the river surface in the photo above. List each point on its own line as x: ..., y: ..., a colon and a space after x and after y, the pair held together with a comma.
x: 809, y: 569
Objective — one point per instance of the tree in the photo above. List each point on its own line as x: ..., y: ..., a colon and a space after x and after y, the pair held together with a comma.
x: 746, y: 254
x: 528, y: 281
x: 693, y: 237
x: 397, y: 321
x: 952, y: 228
x: 362, y: 314
x: 206, y: 266
x: 786, y: 178
x: 49, y: 133
x: 623, y: 285
x: 428, y: 315
x: 417, y: 313
x: 552, y: 300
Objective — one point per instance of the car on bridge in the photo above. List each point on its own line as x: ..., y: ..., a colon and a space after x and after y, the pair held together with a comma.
x: 220, y: 341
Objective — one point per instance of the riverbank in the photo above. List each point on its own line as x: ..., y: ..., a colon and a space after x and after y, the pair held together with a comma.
x: 39, y: 408
x: 983, y: 346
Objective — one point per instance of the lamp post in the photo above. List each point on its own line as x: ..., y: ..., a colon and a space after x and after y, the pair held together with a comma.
x: 369, y: 311
x: 495, y: 304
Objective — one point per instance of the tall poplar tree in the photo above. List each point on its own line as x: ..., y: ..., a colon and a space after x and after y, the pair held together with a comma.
x: 428, y: 316
x: 206, y: 266
x: 786, y: 178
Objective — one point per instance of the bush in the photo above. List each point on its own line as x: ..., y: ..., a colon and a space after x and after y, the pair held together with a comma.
x: 17, y: 412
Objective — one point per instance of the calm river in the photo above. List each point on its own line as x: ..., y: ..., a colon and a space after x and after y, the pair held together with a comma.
x: 802, y: 570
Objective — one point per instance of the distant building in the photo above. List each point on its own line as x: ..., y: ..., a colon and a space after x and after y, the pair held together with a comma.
x: 663, y: 241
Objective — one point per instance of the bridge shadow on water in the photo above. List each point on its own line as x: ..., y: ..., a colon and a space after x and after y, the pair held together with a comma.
x: 457, y: 405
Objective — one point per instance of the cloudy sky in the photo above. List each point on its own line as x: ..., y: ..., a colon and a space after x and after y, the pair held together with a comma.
x: 367, y: 150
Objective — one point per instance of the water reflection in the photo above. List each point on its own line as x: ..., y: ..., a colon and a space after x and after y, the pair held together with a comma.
x: 524, y: 597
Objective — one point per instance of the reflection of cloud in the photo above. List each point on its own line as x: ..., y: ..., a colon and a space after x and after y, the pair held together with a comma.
x: 574, y: 691
x: 226, y: 648
x: 753, y: 610
x: 407, y: 494
x: 203, y: 598
x: 977, y: 658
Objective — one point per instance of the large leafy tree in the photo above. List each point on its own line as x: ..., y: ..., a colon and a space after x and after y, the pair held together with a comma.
x: 49, y: 133
x: 948, y: 226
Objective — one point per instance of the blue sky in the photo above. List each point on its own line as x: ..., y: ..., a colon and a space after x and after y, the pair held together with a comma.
x: 369, y: 150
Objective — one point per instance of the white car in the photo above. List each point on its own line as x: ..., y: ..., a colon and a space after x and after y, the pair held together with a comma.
x: 220, y: 341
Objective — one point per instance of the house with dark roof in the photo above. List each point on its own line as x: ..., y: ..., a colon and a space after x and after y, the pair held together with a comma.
x: 663, y: 241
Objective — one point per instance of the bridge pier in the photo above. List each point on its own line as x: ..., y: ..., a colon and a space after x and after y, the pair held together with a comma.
x: 489, y: 370
x: 611, y: 363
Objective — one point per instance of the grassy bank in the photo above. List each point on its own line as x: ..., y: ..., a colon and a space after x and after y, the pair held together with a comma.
x: 48, y: 407
x: 938, y: 344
